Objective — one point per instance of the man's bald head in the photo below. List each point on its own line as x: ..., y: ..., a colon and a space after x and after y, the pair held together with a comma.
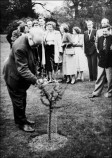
x: 35, y: 36
x: 104, y: 22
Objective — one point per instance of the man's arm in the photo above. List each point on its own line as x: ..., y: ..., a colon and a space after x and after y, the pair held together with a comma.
x: 96, y: 41
x: 22, y: 66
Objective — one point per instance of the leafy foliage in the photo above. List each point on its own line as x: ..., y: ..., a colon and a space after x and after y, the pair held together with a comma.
x: 15, y: 9
x: 75, y: 12
x: 50, y: 94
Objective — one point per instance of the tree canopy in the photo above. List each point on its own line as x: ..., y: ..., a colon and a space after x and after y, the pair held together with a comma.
x: 76, y: 12
x: 16, y: 9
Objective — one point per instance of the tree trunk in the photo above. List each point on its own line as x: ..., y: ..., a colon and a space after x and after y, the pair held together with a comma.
x: 52, y: 123
x: 49, y: 124
x: 76, y: 12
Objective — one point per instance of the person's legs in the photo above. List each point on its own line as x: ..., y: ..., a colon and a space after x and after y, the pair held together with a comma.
x: 50, y: 76
x: 48, y: 63
x: 94, y: 66
x: 99, y: 82
x: 73, y: 79
x: 90, y: 67
x: 19, y: 105
x: 82, y: 75
x: 109, y: 80
x: 40, y: 58
x: 55, y: 71
x: 78, y: 75
x: 68, y: 78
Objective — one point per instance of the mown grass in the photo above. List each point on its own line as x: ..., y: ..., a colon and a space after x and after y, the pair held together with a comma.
x: 85, y: 122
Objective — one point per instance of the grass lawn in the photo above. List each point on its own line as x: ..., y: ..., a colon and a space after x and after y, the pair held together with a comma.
x: 87, y: 123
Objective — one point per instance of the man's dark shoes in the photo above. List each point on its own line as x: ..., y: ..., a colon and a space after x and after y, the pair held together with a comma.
x: 92, y: 96
x: 29, y: 122
x: 26, y: 128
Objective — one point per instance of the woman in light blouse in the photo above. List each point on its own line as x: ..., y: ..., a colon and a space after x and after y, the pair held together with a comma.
x: 53, y: 49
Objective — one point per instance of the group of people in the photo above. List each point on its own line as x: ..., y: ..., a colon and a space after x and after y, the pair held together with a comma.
x: 50, y: 54
x: 38, y: 49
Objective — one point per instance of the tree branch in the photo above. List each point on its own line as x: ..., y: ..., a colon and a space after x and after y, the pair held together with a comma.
x: 42, y: 6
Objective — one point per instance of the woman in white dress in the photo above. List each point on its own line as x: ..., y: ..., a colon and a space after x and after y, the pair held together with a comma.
x: 68, y: 66
x: 78, y: 42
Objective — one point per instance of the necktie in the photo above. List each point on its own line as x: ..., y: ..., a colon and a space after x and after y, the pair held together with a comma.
x: 104, y: 44
x: 89, y: 33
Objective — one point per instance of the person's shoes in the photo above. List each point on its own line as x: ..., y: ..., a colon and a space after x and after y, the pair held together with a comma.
x: 54, y: 80
x: 50, y: 81
x: 82, y: 79
x: 78, y: 78
x: 73, y: 81
x: 29, y: 122
x: 107, y: 95
x: 90, y: 80
x: 68, y: 80
x: 26, y: 128
x: 92, y: 96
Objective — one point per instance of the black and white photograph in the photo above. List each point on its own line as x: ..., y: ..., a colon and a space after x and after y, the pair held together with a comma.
x: 56, y: 78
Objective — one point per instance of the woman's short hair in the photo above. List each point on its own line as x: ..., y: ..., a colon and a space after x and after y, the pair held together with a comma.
x: 22, y: 27
x: 65, y: 27
x: 77, y: 29
x: 41, y: 17
x: 51, y: 23
x: 35, y: 22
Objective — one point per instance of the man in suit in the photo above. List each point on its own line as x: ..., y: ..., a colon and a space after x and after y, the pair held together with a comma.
x: 20, y: 72
x: 104, y: 48
x: 99, y: 33
x: 90, y: 50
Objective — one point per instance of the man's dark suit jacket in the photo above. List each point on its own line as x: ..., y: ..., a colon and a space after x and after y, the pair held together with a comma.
x: 105, y: 56
x: 89, y: 43
x: 19, y: 70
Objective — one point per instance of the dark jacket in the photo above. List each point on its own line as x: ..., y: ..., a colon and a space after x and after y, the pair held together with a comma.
x: 89, y: 44
x: 19, y: 69
x: 105, y: 56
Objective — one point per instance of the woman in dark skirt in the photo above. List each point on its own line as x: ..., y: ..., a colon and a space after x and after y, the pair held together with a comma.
x: 52, y: 50
x: 49, y: 55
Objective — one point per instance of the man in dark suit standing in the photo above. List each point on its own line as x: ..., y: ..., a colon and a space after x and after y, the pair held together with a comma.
x: 104, y: 48
x: 90, y: 50
x: 20, y: 72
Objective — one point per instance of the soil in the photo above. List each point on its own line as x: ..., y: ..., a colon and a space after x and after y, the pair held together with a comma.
x: 85, y: 122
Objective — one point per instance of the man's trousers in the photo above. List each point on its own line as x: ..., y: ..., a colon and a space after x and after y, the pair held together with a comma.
x: 18, y: 99
x: 92, y: 65
x: 102, y: 74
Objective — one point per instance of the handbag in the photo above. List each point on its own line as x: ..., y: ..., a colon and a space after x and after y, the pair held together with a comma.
x: 70, y: 51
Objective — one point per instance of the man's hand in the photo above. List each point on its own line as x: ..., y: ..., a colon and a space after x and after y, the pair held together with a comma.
x: 97, y: 51
x: 39, y: 81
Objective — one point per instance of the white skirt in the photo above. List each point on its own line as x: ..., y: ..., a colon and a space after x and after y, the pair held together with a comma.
x: 69, y: 64
x: 81, y: 60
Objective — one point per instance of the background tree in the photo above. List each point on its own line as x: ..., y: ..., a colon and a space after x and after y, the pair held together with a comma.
x: 16, y: 9
x: 4, y: 16
x: 76, y: 12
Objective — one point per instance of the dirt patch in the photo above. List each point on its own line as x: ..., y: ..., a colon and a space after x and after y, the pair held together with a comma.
x: 85, y: 122
x: 41, y: 143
